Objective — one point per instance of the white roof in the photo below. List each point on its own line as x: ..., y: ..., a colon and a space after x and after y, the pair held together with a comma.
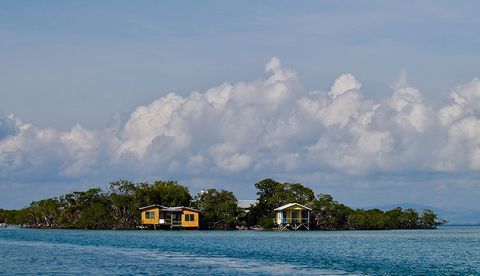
x: 171, y: 209
x: 290, y: 205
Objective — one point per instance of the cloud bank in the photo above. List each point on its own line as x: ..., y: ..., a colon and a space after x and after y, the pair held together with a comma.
x: 267, y: 126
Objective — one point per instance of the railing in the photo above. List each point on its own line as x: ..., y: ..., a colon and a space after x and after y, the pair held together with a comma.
x: 292, y: 220
x: 169, y: 222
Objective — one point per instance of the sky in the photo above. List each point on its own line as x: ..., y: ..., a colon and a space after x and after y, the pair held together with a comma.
x: 374, y: 102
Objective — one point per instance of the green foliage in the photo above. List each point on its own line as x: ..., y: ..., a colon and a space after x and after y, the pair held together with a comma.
x: 118, y: 208
x: 167, y: 193
x: 44, y: 212
x: 124, y: 202
x: 410, y: 219
x: 89, y: 210
x: 11, y: 217
x: 328, y: 213
x: 272, y: 194
x: 126, y: 197
x: 429, y: 219
x: 393, y: 219
x: 366, y: 219
x: 95, y: 209
x: 266, y: 222
x: 219, y: 209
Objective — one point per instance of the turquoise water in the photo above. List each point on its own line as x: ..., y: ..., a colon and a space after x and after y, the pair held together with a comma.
x: 448, y: 250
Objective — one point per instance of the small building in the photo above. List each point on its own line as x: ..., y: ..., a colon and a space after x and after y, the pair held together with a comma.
x: 158, y: 216
x: 293, y: 216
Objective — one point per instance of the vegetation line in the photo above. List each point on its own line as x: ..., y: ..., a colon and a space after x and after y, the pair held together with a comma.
x: 118, y: 208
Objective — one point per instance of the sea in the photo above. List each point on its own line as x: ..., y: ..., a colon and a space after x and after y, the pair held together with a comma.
x: 449, y: 250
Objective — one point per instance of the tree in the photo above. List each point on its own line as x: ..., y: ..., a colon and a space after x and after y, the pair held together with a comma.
x: 272, y: 194
x: 328, y: 213
x: 430, y: 220
x: 219, y: 209
x: 44, y: 213
x: 410, y: 219
x: 393, y: 218
x: 89, y: 210
x: 168, y: 193
x: 118, y: 208
x: 96, y: 209
x: 11, y: 217
x: 124, y: 204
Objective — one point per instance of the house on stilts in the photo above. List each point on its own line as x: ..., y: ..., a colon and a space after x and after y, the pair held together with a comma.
x: 162, y: 217
x: 293, y: 216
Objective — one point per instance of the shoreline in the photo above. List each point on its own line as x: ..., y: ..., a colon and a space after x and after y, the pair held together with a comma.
x: 229, y: 230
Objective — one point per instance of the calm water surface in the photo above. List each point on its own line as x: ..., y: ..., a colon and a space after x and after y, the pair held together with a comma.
x: 445, y: 251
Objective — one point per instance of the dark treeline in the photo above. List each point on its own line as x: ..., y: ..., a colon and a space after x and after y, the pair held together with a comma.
x: 117, y: 208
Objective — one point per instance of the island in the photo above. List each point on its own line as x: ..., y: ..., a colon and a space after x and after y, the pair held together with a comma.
x: 277, y: 206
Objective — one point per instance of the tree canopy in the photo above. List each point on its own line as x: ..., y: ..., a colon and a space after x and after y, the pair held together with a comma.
x: 115, y: 208
x: 219, y: 209
x: 118, y: 208
x: 272, y: 194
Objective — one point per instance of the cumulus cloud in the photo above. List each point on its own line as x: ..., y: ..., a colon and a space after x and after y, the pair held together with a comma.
x: 266, y: 126
x: 28, y: 152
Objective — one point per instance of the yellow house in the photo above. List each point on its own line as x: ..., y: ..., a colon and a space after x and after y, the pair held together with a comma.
x: 158, y: 216
x: 293, y: 216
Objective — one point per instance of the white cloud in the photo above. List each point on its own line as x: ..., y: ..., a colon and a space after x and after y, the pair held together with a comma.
x: 265, y: 126
x: 343, y: 84
x: 80, y: 153
x: 33, y: 152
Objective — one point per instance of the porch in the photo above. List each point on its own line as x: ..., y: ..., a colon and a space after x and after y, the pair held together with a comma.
x: 170, y: 217
x: 293, y: 216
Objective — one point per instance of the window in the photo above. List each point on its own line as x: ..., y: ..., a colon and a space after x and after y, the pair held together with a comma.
x: 149, y: 215
x: 189, y: 217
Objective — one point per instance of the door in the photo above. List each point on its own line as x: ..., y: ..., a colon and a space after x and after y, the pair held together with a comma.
x: 176, y: 218
x: 294, y: 216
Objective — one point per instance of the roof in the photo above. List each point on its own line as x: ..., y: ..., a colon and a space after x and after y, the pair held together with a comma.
x: 190, y: 209
x: 170, y: 209
x: 286, y: 206
x: 152, y: 206
x: 178, y: 209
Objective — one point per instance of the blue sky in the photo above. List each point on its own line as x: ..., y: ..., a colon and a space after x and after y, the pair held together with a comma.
x: 87, y: 82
